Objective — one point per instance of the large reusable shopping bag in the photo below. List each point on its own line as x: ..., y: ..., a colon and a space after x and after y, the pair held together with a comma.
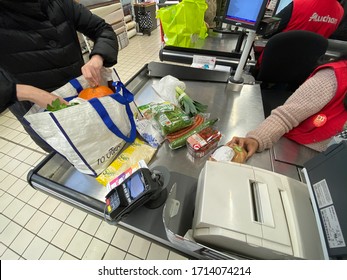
x: 183, y: 24
x: 91, y: 134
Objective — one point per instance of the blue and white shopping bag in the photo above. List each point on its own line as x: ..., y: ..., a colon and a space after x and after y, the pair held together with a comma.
x: 91, y: 134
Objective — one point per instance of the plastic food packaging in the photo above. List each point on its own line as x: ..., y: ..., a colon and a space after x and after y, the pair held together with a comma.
x: 136, y: 151
x: 203, y: 142
x: 226, y: 153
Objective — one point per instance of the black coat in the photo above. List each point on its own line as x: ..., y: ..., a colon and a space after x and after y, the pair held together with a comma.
x: 39, y: 44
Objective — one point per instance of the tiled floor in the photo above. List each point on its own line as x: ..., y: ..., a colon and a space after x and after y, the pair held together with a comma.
x: 35, y: 226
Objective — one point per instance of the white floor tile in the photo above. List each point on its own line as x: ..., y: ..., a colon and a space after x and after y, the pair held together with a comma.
x: 49, y: 205
x: 157, y: 252
x: 10, y: 255
x: 13, y: 208
x: 10, y: 233
x: 79, y: 244
x: 4, y: 221
x: 51, y: 253
x: 22, y: 241
x: 3, y: 174
x: 64, y: 236
x: 11, y: 166
x: 17, y: 187
x: 90, y: 224
x: 33, y: 158
x: 49, y: 229
x: 35, y: 249
x: 25, y: 154
x: 3, y: 248
x: 21, y: 170
x: 4, y: 161
x: 27, y: 193
x: 139, y: 247
x: 15, y: 150
x: 25, y: 214
x: 7, y: 182
x: 131, y: 257
x: 67, y: 256
x: 6, y: 149
x: 37, y: 199
x: 36, y: 222
x: 114, y: 253
x: 122, y: 239
x: 62, y: 211
x: 96, y: 250
x: 106, y: 232
x: 76, y: 218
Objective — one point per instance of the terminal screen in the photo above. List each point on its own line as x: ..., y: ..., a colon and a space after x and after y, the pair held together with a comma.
x: 135, y: 185
x: 245, y: 13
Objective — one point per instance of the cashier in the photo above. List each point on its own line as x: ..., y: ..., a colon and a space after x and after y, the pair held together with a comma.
x: 40, y: 52
x: 311, y: 116
x: 319, y: 16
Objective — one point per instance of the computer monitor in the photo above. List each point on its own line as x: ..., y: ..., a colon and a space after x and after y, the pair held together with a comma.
x: 245, y: 13
x: 281, y: 5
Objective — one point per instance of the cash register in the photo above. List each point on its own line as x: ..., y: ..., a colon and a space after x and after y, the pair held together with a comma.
x: 266, y: 215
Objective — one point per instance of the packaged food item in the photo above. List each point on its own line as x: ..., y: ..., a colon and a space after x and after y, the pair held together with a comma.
x: 240, y: 154
x: 136, y: 151
x: 234, y: 153
x: 181, y: 140
x: 203, y: 142
x: 171, y: 119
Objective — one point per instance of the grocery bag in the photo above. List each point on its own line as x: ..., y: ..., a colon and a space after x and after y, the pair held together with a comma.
x: 91, y: 134
x: 183, y: 24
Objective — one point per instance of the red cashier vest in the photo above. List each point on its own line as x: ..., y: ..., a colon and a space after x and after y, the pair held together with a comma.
x: 331, y: 119
x: 320, y: 16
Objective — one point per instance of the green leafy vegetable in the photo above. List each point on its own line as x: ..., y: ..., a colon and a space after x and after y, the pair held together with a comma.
x: 58, y: 105
x: 188, y: 105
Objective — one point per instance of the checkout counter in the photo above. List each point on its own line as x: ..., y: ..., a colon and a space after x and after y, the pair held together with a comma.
x: 238, y: 112
x: 225, y: 47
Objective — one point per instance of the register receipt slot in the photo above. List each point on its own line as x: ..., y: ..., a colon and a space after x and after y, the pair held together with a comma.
x: 255, y: 212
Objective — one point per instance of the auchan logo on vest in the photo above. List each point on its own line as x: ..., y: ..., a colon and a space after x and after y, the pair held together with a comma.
x: 318, y: 18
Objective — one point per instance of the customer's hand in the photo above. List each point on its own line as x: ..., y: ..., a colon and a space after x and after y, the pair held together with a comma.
x: 36, y: 95
x: 249, y: 144
x: 92, y: 70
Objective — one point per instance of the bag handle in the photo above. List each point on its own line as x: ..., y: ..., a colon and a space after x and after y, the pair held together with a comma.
x: 124, y: 99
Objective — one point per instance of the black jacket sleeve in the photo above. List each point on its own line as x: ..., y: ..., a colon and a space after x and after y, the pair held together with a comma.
x: 7, y: 90
x: 95, y: 28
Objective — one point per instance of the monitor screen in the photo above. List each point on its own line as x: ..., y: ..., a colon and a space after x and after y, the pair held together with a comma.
x: 245, y: 13
x: 282, y: 4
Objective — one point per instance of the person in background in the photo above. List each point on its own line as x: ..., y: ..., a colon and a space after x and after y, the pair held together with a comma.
x: 319, y: 16
x: 311, y: 116
x: 40, y: 52
x: 210, y: 13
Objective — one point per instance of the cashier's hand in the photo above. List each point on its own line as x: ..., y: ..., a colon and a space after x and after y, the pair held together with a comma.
x: 92, y: 70
x: 249, y: 144
x: 36, y: 95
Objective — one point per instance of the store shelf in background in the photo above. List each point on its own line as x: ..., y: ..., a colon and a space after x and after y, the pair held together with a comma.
x: 131, y: 26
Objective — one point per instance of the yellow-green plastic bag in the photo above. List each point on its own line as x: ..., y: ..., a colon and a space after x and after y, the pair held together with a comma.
x: 183, y: 24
